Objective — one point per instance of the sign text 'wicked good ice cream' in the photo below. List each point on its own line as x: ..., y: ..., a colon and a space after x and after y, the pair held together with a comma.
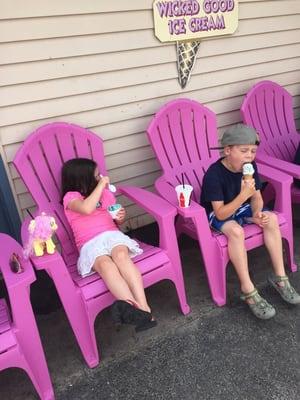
x: 193, y: 19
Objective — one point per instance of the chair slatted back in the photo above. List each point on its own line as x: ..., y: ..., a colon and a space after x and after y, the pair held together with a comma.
x: 183, y: 136
x: 268, y: 108
x: 39, y: 162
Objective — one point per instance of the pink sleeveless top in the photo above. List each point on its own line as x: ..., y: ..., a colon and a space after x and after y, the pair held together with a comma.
x: 86, y: 227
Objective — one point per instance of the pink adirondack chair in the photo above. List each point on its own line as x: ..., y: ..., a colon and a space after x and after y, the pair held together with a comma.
x: 183, y: 135
x: 268, y: 107
x: 20, y: 344
x: 39, y: 163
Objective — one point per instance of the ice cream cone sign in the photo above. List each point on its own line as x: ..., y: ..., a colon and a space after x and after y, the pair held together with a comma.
x: 186, y: 22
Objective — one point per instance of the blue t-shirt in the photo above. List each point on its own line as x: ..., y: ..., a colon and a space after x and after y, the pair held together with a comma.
x: 220, y: 184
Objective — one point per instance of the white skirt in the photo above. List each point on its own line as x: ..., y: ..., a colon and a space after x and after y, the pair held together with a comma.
x: 102, y: 245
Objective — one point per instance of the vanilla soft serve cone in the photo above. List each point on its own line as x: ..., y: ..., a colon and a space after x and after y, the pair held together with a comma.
x: 248, y: 171
x: 186, y: 57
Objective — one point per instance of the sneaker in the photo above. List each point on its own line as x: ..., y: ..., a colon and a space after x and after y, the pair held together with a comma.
x: 260, y: 307
x: 287, y: 292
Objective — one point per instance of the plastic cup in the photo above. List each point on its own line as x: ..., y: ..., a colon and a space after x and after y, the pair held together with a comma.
x: 114, y: 209
x: 183, y: 195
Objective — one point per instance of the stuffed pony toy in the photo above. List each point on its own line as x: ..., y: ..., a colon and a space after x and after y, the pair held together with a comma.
x: 40, y: 230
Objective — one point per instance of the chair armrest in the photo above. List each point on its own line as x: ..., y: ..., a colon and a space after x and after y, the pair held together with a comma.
x: 273, y: 175
x: 17, y: 284
x: 163, y: 212
x: 167, y: 191
x: 48, y: 261
x: 12, y: 279
x: 150, y: 202
x: 281, y: 183
x: 284, y: 166
x: 194, y: 211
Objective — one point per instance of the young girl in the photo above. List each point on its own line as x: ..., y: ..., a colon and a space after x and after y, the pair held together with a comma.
x: 102, y: 246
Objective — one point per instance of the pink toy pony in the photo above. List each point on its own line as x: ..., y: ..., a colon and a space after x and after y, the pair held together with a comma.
x: 40, y: 236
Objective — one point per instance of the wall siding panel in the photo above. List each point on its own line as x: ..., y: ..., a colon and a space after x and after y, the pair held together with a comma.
x: 99, y: 65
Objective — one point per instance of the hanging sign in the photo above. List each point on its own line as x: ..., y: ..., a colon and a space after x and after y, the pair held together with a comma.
x: 188, y: 21
x: 194, y: 19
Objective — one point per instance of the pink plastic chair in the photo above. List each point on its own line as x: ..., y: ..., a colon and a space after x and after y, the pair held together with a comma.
x: 20, y: 344
x: 268, y: 107
x: 39, y: 163
x: 183, y: 135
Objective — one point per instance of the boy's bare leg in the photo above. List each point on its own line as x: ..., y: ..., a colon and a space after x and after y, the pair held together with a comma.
x: 238, y: 254
x: 130, y: 274
x: 273, y: 242
x: 116, y: 284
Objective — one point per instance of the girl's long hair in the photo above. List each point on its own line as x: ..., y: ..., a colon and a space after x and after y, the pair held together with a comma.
x: 77, y: 175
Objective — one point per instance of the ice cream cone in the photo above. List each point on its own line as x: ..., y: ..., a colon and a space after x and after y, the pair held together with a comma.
x: 186, y: 57
x: 248, y: 171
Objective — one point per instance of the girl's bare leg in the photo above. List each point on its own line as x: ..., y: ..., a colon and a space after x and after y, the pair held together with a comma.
x: 114, y: 281
x: 131, y: 275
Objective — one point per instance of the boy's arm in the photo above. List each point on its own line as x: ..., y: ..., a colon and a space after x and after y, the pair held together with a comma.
x: 257, y: 203
x: 223, y: 211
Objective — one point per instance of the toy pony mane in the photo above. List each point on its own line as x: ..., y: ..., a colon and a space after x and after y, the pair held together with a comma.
x: 40, y: 229
x: 43, y: 227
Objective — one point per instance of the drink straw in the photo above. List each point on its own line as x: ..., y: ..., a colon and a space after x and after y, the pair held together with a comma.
x: 182, y: 178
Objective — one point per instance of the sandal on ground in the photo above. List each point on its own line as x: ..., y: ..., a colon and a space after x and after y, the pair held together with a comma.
x: 127, y: 312
x: 260, y: 307
x: 287, y: 292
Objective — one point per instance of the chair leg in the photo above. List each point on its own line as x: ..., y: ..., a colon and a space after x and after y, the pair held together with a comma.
x: 288, y: 244
x: 42, y: 386
x: 77, y: 314
x: 38, y: 375
x: 180, y: 289
x: 216, y: 276
x: 83, y: 330
x: 168, y: 242
x: 32, y: 354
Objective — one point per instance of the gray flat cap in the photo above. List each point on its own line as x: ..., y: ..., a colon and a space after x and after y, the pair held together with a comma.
x: 239, y: 134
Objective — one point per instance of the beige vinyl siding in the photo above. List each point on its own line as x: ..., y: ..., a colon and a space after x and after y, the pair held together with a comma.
x: 99, y: 65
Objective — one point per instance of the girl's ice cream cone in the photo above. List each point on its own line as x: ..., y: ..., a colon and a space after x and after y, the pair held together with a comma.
x: 248, y: 171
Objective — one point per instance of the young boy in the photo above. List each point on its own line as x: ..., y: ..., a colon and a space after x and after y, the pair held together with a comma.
x: 230, y: 202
